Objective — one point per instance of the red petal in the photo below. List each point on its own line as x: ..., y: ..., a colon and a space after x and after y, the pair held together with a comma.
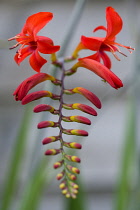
x: 36, y: 61
x: 114, y: 23
x: 95, y: 56
x: 99, y: 28
x: 45, y: 45
x: 92, y: 43
x: 102, y: 71
x: 36, y: 22
x: 106, y: 59
x: 22, y: 54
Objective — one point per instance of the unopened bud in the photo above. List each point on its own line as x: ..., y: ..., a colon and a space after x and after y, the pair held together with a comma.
x: 43, y: 107
x: 60, y: 175
x: 50, y: 139
x: 73, y: 169
x: 58, y: 164
x: 46, y: 124
x: 73, y: 145
x: 36, y: 95
x: 76, y: 132
x: 52, y: 151
x: 73, y: 158
x: 72, y: 176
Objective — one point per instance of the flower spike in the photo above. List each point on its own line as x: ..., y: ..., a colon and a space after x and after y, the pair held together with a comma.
x: 31, y: 44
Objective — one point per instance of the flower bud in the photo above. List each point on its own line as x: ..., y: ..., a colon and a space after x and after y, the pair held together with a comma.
x: 82, y: 107
x: 52, y: 151
x: 77, y: 118
x: 85, y: 108
x: 35, y: 96
x: 71, y: 176
x: 58, y: 164
x: 60, y: 175
x: 76, y: 132
x: 50, y: 139
x: 65, y: 191
x: 73, y: 145
x: 46, y: 124
x: 75, y: 186
x: 44, y: 107
x: 73, y: 169
x: 73, y: 158
x: 62, y: 185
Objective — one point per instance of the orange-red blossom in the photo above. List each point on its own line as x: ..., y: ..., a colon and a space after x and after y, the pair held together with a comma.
x: 31, y: 43
x: 107, y: 43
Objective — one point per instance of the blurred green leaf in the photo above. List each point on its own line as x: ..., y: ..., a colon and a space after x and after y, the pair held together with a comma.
x: 16, y: 161
x: 127, y: 163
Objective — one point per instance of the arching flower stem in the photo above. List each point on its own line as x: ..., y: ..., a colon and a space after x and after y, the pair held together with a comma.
x: 62, y: 142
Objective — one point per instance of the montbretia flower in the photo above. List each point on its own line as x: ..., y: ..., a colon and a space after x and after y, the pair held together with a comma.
x: 99, y: 63
x: 101, y: 70
x: 31, y: 43
x: 107, y: 43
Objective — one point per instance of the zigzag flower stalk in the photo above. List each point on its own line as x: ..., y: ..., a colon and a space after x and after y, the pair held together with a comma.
x: 68, y: 174
x: 35, y: 44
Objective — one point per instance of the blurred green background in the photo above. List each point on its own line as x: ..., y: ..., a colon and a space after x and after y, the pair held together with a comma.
x: 109, y: 176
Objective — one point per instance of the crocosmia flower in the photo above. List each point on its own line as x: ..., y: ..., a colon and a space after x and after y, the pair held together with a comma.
x: 108, y: 43
x: 31, y: 43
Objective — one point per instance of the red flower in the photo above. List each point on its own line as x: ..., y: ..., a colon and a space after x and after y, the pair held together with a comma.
x: 108, y: 43
x: 34, y: 44
x: 101, y: 70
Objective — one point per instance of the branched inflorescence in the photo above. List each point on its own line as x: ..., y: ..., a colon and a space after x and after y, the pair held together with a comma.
x: 99, y: 63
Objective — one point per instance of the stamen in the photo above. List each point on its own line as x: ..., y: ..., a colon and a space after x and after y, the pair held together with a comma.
x: 113, y: 51
x: 13, y: 38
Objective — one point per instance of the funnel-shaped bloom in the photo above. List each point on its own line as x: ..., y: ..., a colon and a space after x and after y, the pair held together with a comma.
x: 107, y: 43
x: 31, y: 44
x: 101, y: 70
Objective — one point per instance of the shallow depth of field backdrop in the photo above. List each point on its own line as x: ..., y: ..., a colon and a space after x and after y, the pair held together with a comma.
x: 102, y: 150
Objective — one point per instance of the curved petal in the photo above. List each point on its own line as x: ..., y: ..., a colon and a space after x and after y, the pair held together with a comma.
x: 100, y: 28
x: 95, y: 56
x: 45, y: 45
x: 36, y: 22
x: 102, y: 71
x: 22, y: 54
x: 106, y: 59
x: 114, y: 23
x: 36, y: 61
x: 92, y: 43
